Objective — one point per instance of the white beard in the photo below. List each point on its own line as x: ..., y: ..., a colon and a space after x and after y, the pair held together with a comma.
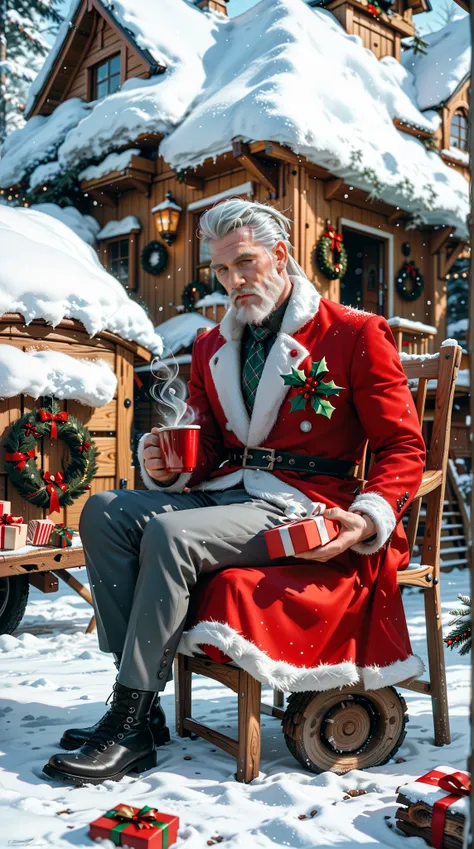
x: 257, y: 313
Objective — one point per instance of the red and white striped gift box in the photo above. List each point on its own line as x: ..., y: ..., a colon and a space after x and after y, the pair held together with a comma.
x: 294, y: 537
x: 39, y: 531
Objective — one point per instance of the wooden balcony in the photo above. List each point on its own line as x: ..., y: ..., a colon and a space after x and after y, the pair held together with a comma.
x: 412, y: 337
x: 137, y: 175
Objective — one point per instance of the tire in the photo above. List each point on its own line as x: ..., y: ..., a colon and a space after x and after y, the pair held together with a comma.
x: 340, y: 730
x: 13, y: 601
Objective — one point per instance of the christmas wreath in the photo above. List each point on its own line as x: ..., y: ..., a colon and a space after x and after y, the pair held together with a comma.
x: 154, y: 258
x: 409, y: 282
x: 331, y: 255
x: 40, y: 487
x: 188, y: 298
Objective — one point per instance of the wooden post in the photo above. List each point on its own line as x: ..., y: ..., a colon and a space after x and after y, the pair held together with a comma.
x: 249, y: 696
x: 124, y: 370
x: 182, y: 692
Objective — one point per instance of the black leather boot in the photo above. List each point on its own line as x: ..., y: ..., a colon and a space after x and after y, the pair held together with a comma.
x: 121, y: 743
x: 73, y: 738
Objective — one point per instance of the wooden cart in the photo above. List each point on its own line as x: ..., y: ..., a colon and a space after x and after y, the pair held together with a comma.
x: 111, y: 427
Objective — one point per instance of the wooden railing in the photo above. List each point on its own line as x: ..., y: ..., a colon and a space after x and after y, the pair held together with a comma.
x: 412, y: 337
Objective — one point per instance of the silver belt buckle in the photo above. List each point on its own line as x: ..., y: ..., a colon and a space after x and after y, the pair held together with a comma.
x: 270, y: 458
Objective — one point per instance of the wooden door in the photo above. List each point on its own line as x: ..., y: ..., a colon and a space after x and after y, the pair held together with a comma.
x: 363, y: 285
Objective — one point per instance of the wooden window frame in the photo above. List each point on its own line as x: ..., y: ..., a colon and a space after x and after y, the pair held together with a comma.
x: 98, y: 59
x: 132, y: 238
x: 196, y: 264
x: 459, y: 112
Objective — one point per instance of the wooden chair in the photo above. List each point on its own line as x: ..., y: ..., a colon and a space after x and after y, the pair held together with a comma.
x: 350, y: 707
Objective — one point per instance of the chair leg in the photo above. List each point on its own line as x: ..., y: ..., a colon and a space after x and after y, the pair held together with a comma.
x: 182, y: 691
x: 278, y: 698
x: 249, y: 695
x: 439, y: 691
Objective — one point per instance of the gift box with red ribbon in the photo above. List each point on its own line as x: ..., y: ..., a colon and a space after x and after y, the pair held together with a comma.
x: 295, y: 537
x: 61, y: 536
x: 138, y: 828
x: 12, y: 531
x: 39, y: 531
x: 443, y: 792
x: 5, y: 507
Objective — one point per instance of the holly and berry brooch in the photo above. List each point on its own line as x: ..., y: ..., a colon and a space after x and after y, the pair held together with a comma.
x: 312, y: 388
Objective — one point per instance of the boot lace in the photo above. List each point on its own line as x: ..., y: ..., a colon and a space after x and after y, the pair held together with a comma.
x: 118, y: 719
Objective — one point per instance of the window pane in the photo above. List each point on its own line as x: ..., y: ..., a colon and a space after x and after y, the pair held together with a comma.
x: 123, y: 247
x: 102, y: 71
x: 102, y: 90
x: 124, y: 270
x: 114, y: 84
x: 204, y: 255
x: 114, y: 250
x: 113, y: 268
x: 114, y: 65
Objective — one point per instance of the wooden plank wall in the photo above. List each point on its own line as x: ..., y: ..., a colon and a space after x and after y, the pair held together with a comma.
x: 110, y: 426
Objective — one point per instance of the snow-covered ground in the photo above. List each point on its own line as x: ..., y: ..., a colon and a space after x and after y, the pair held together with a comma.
x: 53, y: 676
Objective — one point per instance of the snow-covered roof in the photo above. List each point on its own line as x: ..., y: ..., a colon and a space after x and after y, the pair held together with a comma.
x: 181, y: 330
x: 49, y: 272
x: 281, y: 71
x: 38, y: 373
x: 119, y: 228
x: 445, y: 66
x: 84, y: 226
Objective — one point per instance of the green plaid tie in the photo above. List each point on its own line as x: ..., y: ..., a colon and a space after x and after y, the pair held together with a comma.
x: 253, y: 365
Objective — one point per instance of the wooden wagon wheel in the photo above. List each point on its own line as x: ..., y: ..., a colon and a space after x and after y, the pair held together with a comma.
x: 346, y: 729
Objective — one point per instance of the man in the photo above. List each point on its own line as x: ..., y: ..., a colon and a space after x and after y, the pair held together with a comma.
x: 300, y: 382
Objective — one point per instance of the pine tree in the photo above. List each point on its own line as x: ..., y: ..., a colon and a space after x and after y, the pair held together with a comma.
x: 461, y: 636
x: 23, y: 48
x: 458, y: 285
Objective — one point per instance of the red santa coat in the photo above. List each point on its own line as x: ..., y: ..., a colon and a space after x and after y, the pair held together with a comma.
x: 310, y: 625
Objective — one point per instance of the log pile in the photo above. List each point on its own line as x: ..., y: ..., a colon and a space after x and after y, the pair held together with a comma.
x: 415, y: 819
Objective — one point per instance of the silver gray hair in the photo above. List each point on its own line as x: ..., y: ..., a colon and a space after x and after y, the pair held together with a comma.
x: 268, y: 225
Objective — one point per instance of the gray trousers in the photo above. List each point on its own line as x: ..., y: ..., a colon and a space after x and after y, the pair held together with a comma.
x: 144, y: 552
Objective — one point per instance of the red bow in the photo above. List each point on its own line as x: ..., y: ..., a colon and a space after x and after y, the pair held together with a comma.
x: 411, y: 270
x: 10, y: 519
x: 30, y: 429
x: 142, y: 819
x: 46, y: 416
x: 50, y: 481
x: 457, y: 784
x: 20, y: 458
x: 336, y: 240
x: 85, y: 446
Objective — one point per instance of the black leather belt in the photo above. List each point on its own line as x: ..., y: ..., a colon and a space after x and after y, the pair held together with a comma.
x: 267, y: 459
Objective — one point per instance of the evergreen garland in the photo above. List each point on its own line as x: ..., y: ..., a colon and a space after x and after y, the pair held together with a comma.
x: 39, y: 487
x: 187, y: 298
x: 461, y: 636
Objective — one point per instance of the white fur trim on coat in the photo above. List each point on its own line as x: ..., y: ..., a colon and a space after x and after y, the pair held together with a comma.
x: 382, y: 516
x: 289, y: 678
x: 177, y: 486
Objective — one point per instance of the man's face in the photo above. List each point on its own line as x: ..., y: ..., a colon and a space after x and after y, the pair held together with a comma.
x: 248, y: 273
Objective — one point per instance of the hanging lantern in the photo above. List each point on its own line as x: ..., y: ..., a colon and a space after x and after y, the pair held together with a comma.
x: 166, y: 216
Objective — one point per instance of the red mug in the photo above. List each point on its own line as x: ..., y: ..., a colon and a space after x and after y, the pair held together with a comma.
x: 179, y: 447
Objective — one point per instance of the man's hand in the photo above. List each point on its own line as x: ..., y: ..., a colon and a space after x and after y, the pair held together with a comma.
x: 153, y: 460
x: 355, y: 527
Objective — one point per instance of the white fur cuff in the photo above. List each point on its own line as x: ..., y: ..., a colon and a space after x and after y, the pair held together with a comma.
x: 382, y: 515
x: 177, y: 486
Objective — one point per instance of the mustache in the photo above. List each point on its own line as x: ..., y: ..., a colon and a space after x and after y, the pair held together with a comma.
x: 236, y: 295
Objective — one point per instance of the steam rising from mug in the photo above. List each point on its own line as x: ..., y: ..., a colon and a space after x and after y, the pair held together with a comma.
x: 169, y: 391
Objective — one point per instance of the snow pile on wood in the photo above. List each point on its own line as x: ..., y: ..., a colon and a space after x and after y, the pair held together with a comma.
x: 281, y: 71
x: 48, y: 272
x: 112, y: 162
x: 119, y: 228
x: 84, y: 226
x: 38, y: 373
x: 181, y: 330
x: 446, y: 65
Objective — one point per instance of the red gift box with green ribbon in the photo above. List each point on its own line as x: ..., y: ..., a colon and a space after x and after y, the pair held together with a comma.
x: 138, y: 828
x: 61, y: 536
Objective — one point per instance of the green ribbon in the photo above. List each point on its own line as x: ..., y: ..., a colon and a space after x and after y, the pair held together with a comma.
x: 115, y: 833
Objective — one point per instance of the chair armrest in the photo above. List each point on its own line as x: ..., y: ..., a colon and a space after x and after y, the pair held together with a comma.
x: 432, y: 479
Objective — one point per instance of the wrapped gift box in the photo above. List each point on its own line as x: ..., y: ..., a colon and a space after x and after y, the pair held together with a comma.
x: 39, y: 531
x: 5, y: 507
x: 436, y: 807
x: 294, y: 537
x: 138, y: 828
x: 61, y: 536
x: 13, y: 535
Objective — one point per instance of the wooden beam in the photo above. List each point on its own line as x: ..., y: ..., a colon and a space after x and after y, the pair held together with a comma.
x: 45, y: 582
x: 102, y: 197
x: 396, y: 216
x: 193, y: 182
x: 410, y: 130
x: 332, y: 187
x: 440, y: 237
x: 254, y: 167
x: 284, y: 154
x: 446, y: 263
